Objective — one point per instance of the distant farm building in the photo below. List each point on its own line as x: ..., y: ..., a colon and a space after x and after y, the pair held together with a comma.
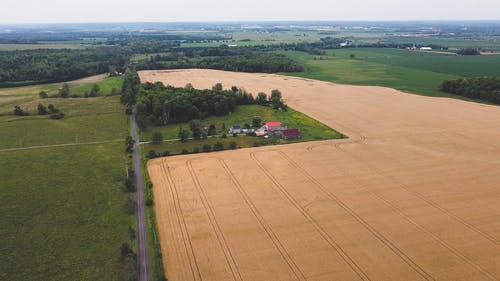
x: 425, y: 48
x: 236, y: 129
x: 290, y: 133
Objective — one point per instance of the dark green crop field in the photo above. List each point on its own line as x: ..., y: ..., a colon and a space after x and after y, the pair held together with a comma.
x: 408, y: 71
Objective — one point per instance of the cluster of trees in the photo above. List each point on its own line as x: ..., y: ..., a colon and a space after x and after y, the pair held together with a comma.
x: 50, y: 109
x: 469, y: 52
x: 161, y: 105
x: 44, y: 66
x: 483, y: 88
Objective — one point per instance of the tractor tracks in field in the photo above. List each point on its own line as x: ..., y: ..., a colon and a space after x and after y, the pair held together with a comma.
x: 395, y: 249
x: 455, y: 153
x: 350, y: 262
x: 400, y: 212
x: 215, y: 225
x: 182, y: 222
x: 267, y: 228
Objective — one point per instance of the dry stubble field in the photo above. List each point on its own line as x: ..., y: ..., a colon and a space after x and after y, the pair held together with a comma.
x: 413, y: 194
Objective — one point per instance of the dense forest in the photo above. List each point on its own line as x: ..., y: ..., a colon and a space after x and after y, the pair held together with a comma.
x: 41, y: 66
x: 158, y: 104
x: 483, y: 88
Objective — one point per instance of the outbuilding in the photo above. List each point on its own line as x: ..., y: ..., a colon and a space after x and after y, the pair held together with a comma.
x: 290, y: 133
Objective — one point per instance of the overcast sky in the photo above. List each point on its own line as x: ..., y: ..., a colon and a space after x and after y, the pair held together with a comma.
x: 54, y: 11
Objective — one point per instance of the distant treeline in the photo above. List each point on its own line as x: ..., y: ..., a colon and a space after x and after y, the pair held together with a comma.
x: 484, y: 88
x: 26, y: 67
x: 250, y: 62
x: 42, y: 66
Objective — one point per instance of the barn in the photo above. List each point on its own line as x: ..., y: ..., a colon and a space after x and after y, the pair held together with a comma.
x: 290, y: 133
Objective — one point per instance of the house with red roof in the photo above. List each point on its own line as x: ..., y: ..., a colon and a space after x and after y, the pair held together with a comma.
x: 273, y: 126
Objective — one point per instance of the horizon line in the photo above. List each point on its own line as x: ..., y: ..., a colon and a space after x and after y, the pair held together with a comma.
x: 261, y: 21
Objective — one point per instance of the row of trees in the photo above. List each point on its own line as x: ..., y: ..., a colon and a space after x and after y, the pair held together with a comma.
x: 251, y: 62
x: 218, y: 146
x: 483, y: 88
x: 41, y: 110
x: 161, y: 105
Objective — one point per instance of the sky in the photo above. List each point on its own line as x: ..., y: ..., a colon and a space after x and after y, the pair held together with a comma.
x: 63, y: 11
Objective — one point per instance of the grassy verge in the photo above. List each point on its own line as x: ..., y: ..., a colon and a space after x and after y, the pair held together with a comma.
x: 154, y: 249
x: 311, y: 130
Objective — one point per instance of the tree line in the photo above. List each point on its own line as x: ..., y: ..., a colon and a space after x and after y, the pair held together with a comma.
x: 25, y: 67
x: 47, y: 66
x: 482, y: 88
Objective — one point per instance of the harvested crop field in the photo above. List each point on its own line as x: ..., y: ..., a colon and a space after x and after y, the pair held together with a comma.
x: 413, y: 194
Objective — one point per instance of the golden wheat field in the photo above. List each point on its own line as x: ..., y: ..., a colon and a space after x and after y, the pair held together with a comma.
x: 412, y: 194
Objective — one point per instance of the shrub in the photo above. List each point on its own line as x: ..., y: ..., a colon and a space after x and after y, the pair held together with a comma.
x: 129, y: 144
x: 131, y: 233
x: 232, y: 145
x: 130, y: 205
x: 52, y: 108
x: 224, y: 136
x: 130, y: 185
x: 126, y: 250
x: 42, y: 110
x: 165, y: 153
x: 184, y: 151
x: 196, y: 150
x: 218, y: 146
x: 206, y: 148
x: 43, y: 95
x: 19, y: 111
x: 152, y: 154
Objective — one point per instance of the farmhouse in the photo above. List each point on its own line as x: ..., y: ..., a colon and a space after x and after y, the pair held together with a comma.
x: 273, y: 126
x: 290, y: 133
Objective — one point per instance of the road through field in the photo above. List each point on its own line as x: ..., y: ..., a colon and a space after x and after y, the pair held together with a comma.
x: 413, y: 194
x: 142, y: 243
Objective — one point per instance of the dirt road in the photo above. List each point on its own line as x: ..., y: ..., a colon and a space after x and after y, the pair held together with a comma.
x: 413, y: 194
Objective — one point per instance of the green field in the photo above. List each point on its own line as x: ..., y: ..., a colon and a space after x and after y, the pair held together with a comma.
x: 28, y: 96
x: 62, y: 213
x: 63, y: 208
x: 413, y: 72
x: 310, y: 129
